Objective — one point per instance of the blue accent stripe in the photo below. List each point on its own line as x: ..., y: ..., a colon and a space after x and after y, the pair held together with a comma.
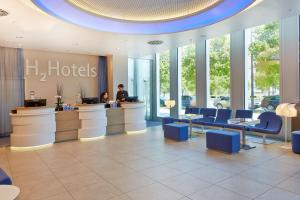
x: 67, y: 12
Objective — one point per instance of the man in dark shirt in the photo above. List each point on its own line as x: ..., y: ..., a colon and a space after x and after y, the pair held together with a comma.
x: 121, y: 94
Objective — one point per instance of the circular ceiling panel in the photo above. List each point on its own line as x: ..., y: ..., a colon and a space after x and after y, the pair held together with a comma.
x: 133, y: 20
x: 144, y: 10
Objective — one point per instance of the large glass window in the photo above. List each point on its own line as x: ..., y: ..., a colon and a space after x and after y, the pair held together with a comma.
x: 262, y: 68
x: 143, y: 67
x: 163, y: 81
x: 187, y: 68
x: 218, y: 51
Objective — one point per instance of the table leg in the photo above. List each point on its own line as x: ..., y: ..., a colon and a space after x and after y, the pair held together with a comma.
x: 190, y: 128
x: 244, y: 145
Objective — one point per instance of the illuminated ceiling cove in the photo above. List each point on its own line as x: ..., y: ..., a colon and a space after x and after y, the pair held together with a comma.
x: 143, y: 16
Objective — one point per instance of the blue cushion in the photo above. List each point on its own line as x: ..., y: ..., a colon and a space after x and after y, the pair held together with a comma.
x: 246, y: 114
x: 192, y: 110
x: 223, y: 116
x: 178, y: 132
x: 182, y: 120
x: 226, y: 141
x: 204, y: 120
x: 167, y: 120
x: 208, y: 112
x: 296, y: 142
x: 4, y: 178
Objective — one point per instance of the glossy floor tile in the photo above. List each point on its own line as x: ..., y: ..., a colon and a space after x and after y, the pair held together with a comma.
x: 148, y: 167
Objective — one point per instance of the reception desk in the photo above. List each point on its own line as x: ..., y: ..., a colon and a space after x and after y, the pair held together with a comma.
x: 134, y: 117
x: 93, y: 120
x: 33, y: 127
x: 42, y: 125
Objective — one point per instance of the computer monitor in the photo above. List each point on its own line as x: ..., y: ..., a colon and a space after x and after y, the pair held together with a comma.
x: 132, y: 99
x: 90, y: 100
x: 35, y: 102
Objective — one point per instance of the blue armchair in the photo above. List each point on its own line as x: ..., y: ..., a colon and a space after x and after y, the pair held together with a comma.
x: 244, y: 114
x: 190, y: 110
x: 270, y: 123
x: 209, y: 115
x: 222, y: 118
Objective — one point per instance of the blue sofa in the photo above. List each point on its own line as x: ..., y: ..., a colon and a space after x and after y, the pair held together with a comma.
x: 270, y: 123
x: 209, y: 115
x: 244, y: 114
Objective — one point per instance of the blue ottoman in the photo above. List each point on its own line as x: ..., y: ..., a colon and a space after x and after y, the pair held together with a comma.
x: 4, y: 178
x: 296, y: 142
x: 178, y: 132
x: 167, y: 120
x: 220, y: 140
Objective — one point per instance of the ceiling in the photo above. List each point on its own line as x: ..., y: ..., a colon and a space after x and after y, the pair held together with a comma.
x: 28, y: 27
x: 143, y: 10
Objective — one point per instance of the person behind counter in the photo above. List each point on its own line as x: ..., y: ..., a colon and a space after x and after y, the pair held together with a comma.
x: 121, y: 94
x: 104, y: 99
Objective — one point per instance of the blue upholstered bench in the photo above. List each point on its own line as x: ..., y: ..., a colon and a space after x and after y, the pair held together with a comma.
x: 178, y: 132
x: 226, y: 141
x: 296, y: 142
x: 4, y: 178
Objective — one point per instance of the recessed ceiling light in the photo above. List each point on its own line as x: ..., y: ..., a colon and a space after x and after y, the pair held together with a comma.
x: 155, y: 42
x: 3, y: 13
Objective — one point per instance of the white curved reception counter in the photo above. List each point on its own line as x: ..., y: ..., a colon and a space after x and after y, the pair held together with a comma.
x: 33, y: 127
x: 134, y: 116
x: 93, y: 121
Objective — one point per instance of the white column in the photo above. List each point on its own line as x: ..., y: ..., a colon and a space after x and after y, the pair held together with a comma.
x: 174, y: 81
x: 289, y: 60
x: 201, y: 74
x: 237, y: 70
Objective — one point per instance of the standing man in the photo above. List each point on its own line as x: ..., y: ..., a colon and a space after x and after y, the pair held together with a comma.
x: 121, y: 94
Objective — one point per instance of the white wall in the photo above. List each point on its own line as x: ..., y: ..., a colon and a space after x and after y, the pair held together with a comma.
x: 42, y: 80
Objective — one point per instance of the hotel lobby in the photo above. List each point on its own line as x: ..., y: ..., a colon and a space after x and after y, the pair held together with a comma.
x: 149, y: 100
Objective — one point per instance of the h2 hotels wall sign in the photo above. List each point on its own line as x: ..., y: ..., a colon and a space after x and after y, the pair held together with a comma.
x: 54, y: 68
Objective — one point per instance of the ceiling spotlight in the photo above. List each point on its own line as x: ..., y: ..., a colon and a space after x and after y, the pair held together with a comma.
x: 3, y: 13
x: 155, y: 42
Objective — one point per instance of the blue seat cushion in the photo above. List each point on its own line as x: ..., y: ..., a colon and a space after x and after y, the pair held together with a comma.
x: 4, y: 178
x: 261, y: 130
x: 192, y: 110
x: 223, y: 116
x: 296, y: 142
x: 204, y: 120
x: 226, y: 141
x: 246, y: 114
x: 234, y: 126
x: 178, y: 132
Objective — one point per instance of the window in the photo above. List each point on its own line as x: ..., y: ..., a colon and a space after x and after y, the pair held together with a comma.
x: 218, y: 51
x: 262, y: 68
x: 143, y: 67
x: 163, y: 81
x: 187, y: 69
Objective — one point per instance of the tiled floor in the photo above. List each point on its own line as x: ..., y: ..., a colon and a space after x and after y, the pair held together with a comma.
x: 147, y: 167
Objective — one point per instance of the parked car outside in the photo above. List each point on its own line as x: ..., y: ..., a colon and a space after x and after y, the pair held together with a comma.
x: 222, y: 102
x: 270, y: 103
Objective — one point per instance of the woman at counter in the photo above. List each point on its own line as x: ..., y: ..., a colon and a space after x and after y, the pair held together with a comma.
x: 104, y: 99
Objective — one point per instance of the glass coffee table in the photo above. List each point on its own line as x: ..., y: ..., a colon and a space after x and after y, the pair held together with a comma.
x: 244, y: 123
x: 190, y: 118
